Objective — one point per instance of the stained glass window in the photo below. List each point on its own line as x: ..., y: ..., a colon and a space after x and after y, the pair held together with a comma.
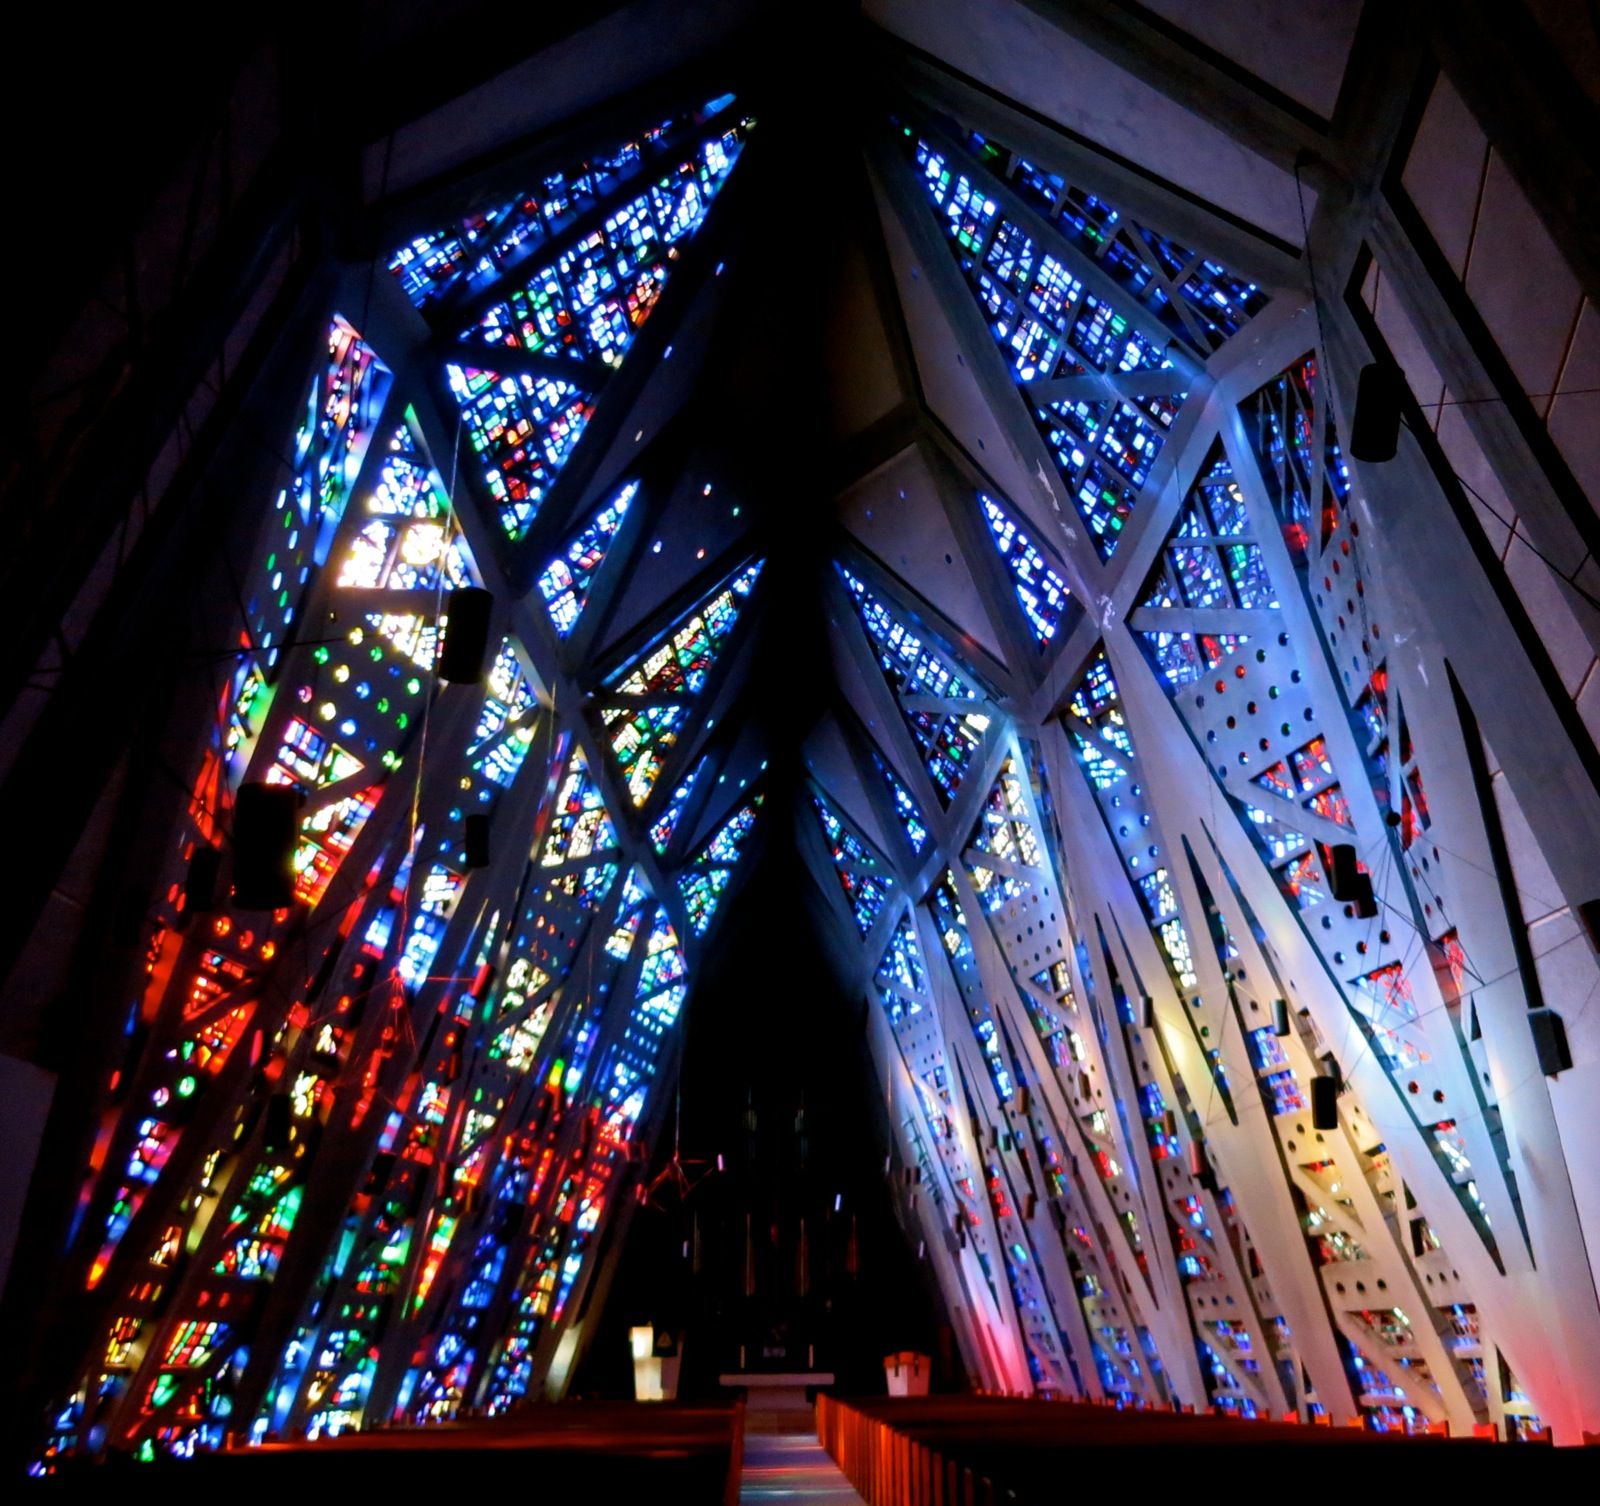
x: 703, y: 883
x: 1043, y: 594
x: 921, y: 678
x: 1051, y: 327
x: 575, y: 288
x: 865, y: 881
x: 646, y: 703
x: 565, y: 581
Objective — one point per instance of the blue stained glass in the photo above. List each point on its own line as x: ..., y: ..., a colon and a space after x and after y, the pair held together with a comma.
x: 1097, y: 702
x: 1049, y: 325
x: 565, y: 581
x: 1130, y: 269
x: 440, y: 890
x: 676, y: 665
x: 592, y: 298
x: 902, y: 969
x: 580, y: 825
x: 1106, y: 450
x: 523, y: 429
x: 662, y: 828
x: 1200, y: 577
x: 865, y: 882
x: 1209, y: 563
x: 1054, y: 292
x: 947, y: 739
x: 1106, y: 341
x: 1158, y: 271
x: 1010, y: 256
x: 434, y: 266
x: 504, y: 732
x: 905, y: 807
x: 1043, y: 593
x: 1173, y: 257
x: 586, y: 301
x: 1042, y: 189
x: 1222, y: 302
x: 427, y: 265
x: 952, y: 923
x: 702, y: 884
x: 1103, y: 770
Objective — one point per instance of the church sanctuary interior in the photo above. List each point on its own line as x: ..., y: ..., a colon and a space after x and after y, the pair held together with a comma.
x: 843, y: 750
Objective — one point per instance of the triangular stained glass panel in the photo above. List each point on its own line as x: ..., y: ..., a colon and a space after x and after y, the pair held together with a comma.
x: 580, y: 824
x: 1196, y: 297
x: 643, y: 724
x: 591, y: 297
x: 504, y: 733
x: 1042, y: 593
x: 437, y: 266
x: 866, y: 883
x: 1209, y: 563
x: 913, y: 670
x: 1004, y: 830
x: 523, y: 429
x: 666, y: 824
x: 901, y: 976
x: 1098, y: 703
x: 564, y: 583
x: 1048, y: 326
x: 584, y: 295
x: 703, y: 883
x: 905, y: 808
x: 1277, y: 779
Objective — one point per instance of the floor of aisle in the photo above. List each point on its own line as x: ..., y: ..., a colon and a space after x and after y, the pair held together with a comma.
x: 791, y: 1466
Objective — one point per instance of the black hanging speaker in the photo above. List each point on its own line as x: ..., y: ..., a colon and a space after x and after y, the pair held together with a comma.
x: 1550, y: 1041
x: 476, y: 832
x: 200, y: 882
x: 1149, y: 1013
x: 266, y: 818
x: 275, y: 1132
x: 1343, y: 873
x: 1324, y: 1103
x: 466, y: 635
x: 1280, y: 1017
x: 1366, y: 902
x: 1375, y: 426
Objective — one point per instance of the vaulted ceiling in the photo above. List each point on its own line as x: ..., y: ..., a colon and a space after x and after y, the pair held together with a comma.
x: 907, y: 447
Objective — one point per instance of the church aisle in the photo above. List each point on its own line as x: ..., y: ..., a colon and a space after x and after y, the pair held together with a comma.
x: 791, y: 1467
